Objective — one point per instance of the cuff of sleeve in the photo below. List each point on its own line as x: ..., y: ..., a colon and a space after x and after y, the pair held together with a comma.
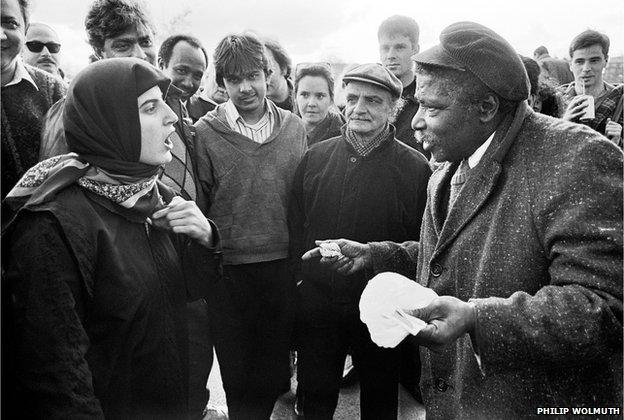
x: 378, y: 250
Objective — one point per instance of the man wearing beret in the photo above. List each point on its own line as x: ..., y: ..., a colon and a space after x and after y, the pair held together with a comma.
x: 521, y: 240
x: 365, y: 185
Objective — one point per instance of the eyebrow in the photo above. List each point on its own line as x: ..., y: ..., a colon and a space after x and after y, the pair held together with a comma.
x: 148, y: 101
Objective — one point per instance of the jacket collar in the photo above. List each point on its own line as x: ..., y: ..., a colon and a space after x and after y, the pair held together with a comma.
x: 479, y: 185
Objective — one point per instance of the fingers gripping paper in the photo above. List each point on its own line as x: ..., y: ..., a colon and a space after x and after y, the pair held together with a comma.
x: 384, y: 302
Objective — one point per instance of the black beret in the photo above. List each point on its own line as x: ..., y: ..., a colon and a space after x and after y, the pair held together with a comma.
x: 472, y: 47
x: 377, y: 75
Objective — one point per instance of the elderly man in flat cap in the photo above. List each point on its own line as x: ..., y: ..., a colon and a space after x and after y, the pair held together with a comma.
x: 366, y: 185
x: 521, y: 240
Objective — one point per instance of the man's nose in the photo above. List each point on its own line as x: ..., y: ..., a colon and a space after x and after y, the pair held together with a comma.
x: 170, y: 116
x: 360, y: 106
x: 45, y: 51
x: 244, y: 86
x: 418, y: 122
x: 138, y: 52
x: 586, y: 66
x: 187, y: 82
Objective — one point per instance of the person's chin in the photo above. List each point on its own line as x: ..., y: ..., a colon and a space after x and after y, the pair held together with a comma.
x: 167, y: 157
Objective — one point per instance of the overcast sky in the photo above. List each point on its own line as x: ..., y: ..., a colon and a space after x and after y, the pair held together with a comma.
x: 346, y: 30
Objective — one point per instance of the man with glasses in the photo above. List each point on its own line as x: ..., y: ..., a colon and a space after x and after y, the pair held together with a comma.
x: 27, y: 94
x: 43, y: 49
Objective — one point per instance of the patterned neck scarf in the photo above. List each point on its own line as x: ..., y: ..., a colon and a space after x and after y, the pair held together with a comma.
x: 102, y: 127
x: 41, y: 182
x: 360, y: 146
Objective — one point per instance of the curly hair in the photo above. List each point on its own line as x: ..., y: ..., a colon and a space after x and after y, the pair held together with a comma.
x: 110, y: 18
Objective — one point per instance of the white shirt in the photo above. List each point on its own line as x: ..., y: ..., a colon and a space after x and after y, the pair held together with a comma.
x: 475, y: 158
x: 258, y: 132
x: 21, y: 74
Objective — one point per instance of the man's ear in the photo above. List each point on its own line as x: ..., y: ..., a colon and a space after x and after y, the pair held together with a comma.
x: 161, y: 64
x: 416, y: 49
x: 488, y: 107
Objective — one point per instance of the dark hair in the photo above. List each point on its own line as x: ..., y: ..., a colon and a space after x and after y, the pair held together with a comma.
x: 109, y: 18
x: 400, y: 25
x: 239, y: 53
x: 533, y: 71
x: 166, y: 48
x: 25, y: 9
x: 281, y: 56
x: 465, y: 87
x: 540, y: 50
x: 587, y: 39
x: 552, y: 102
x: 315, y: 69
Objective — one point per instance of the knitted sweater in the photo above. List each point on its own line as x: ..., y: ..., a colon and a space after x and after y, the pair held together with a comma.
x: 245, y: 184
x: 23, y: 110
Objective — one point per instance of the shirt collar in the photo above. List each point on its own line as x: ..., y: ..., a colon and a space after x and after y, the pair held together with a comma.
x: 21, y: 74
x: 232, y: 112
x: 475, y: 158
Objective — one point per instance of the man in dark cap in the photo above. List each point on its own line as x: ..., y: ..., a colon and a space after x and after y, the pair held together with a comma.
x: 521, y: 240
x: 364, y: 184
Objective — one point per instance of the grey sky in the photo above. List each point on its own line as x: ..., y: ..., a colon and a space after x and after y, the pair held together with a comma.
x: 345, y: 30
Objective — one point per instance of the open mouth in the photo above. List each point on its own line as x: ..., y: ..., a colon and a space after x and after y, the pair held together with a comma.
x: 168, y: 142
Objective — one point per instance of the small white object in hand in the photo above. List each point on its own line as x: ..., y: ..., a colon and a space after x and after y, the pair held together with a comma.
x: 330, y: 249
x: 383, y: 307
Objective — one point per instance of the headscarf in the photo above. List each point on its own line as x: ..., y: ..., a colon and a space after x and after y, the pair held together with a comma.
x: 103, y: 130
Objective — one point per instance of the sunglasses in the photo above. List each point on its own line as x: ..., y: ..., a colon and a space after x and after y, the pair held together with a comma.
x: 36, y: 46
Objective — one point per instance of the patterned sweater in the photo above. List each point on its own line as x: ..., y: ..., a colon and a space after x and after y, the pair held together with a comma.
x: 23, y: 111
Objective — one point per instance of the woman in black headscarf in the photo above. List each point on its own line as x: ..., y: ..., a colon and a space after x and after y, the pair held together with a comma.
x: 100, y: 259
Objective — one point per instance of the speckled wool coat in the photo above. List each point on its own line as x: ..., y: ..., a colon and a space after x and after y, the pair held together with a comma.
x: 535, y: 240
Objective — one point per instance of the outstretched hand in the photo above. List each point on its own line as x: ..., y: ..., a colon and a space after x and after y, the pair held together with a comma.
x: 355, y: 256
x: 447, y: 319
x: 182, y: 216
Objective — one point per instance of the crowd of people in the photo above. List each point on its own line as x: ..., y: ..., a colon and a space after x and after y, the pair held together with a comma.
x: 166, y: 202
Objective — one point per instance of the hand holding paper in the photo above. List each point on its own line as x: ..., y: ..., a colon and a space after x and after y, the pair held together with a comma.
x: 385, y: 305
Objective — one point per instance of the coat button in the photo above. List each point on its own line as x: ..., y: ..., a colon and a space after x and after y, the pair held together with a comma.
x: 436, y: 269
x: 441, y: 385
x: 353, y: 159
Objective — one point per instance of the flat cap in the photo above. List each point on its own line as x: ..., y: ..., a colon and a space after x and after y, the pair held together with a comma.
x: 375, y: 74
x: 472, y: 47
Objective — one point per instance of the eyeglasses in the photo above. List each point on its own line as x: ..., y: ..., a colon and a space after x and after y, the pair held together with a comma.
x: 37, y: 46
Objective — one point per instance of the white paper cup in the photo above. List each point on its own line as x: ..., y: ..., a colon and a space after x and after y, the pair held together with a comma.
x: 590, y: 112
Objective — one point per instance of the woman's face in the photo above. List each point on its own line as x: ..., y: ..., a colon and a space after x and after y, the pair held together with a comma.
x: 157, y: 121
x: 313, y: 99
